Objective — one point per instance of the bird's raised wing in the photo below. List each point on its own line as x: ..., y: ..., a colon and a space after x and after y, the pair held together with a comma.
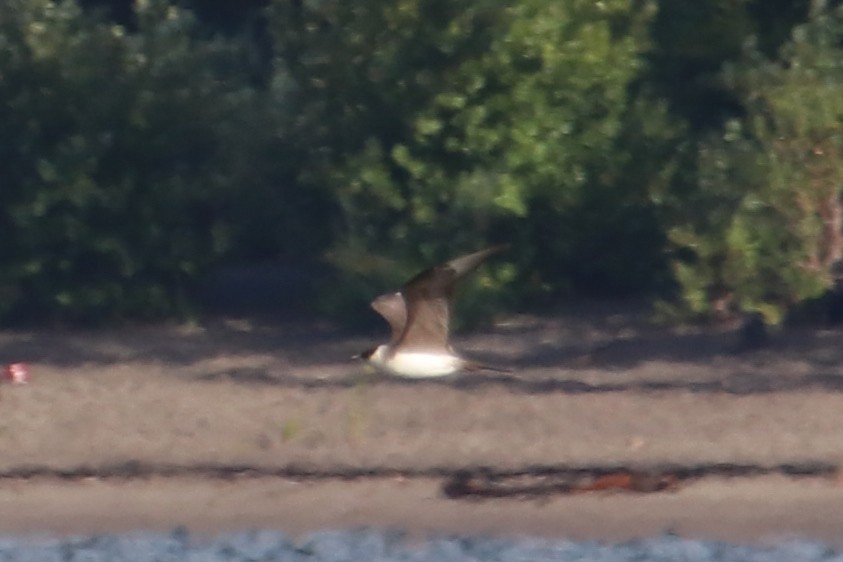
x: 428, y: 298
x: 391, y: 306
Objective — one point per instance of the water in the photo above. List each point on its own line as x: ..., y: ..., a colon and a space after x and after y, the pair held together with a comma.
x: 391, y: 546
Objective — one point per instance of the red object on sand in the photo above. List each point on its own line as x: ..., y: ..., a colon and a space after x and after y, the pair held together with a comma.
x: 17, y: 373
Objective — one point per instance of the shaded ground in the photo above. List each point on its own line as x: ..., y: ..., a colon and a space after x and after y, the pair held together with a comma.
x: 213, y: 426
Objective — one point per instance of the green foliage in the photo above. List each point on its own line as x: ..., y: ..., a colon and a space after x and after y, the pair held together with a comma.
x: 693, y: 40
x: 440, y: 125
x: 764, y: 224
x: 118, y: 159
x: 585, y: 133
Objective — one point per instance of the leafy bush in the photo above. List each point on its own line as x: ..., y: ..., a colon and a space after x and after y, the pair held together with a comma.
x: 764, y: 224
x: 135, y: 158
x: 439, y: 125
x: 118, y: 162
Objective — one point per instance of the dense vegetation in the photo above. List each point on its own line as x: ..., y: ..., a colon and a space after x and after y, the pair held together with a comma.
x: 687, y: 150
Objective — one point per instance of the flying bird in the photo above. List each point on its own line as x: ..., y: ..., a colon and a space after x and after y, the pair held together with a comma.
x: 420, y: 318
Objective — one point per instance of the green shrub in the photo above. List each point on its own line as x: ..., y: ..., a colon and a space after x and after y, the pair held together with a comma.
x: 119, y: 159
x: 440, y: 125
x: 763, y: 226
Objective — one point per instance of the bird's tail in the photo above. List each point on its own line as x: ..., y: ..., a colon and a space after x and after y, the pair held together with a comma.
x: 473, y: 366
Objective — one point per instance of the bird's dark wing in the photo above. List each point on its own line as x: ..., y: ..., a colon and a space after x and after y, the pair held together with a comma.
x: 391, y: 306
x: 428, y: 298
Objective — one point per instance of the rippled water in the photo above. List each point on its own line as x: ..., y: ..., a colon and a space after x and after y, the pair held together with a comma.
x: 377, y: 546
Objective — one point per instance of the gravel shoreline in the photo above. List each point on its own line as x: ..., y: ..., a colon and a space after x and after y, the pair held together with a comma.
x: 751, y: 510
x: 597, y: 391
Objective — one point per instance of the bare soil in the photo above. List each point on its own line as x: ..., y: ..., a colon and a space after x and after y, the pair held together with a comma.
x: 267, y: 423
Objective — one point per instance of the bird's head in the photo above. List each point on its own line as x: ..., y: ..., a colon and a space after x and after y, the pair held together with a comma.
x: 373, y: 355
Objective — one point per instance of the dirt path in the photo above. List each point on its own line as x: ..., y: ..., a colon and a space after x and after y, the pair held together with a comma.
x: 215, y: 426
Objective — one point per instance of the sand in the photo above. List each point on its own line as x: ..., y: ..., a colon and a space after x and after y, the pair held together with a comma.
x: 247, y: 422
